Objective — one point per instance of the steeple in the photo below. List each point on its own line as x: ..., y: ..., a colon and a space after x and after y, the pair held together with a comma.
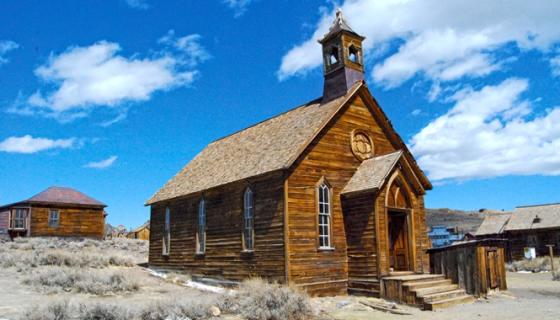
x: 342, y: 58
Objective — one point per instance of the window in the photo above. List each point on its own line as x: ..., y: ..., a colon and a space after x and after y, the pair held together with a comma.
x: 532, y: 240
x: 324, y: 216
x: 201, y: 233
x: 333, y: 56
x: 19, y: 219
x: 54, y: 218
x: 166, y: 233
x: 353, y: 54
x: 248, y: 220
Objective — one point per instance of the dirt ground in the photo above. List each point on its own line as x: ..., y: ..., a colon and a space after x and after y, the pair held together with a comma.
x: 530, y: 296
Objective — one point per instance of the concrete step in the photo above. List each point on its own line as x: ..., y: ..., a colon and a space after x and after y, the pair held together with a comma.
x: 445, y: 303
x: 437, y: 289
x: 412, y: 285
x: 443, y: 295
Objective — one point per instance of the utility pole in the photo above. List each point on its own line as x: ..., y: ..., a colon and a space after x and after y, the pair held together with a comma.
x: 551, y: 252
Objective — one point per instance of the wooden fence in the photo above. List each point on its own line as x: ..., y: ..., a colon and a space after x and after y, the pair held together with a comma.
x: 477, y: 266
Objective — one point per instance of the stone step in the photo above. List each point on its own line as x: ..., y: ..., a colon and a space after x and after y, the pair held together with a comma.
x: 443, y: 295
x: 437, y: 289
x: 412, y: 285
x: 445, y: 303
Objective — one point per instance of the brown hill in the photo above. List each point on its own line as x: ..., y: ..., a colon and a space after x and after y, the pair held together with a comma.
x: 465, y: 221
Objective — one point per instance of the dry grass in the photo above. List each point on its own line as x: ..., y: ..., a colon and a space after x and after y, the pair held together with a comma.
x: 539, y: 264
x: 259, y: 300
x: 98, y: 282
x: 162, y: 310
x: 52, y: 265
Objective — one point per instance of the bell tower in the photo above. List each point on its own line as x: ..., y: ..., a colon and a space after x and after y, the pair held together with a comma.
x: 342, y: 58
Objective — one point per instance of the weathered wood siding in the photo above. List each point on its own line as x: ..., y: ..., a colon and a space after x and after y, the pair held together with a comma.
x: 4, y: 221
x: 73, y: 222
x: 359, y: 221
x: 477, y: 266
x: 330, y: 156
x: 142, y: 234
x: 518, y: 241
x: 224, y: 257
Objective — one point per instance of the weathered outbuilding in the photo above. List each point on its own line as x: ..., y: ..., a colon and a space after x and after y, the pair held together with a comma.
x: 325, y: 196
x: 526, y: 227
x: 56, y: 211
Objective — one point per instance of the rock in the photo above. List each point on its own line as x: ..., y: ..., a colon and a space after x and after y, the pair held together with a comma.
x: 215, y: 311
x: 342, y: 304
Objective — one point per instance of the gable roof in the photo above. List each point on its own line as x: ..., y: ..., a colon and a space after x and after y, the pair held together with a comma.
x: 523, y: 218
x: 372, y: 173
x: 62, y: 195
x: 493, y: 223
x: 272, y: 145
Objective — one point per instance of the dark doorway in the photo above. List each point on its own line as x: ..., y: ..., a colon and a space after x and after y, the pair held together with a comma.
x: 398, y: 241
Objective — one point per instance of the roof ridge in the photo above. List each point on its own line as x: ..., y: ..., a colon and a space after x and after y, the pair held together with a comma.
x: 268, y: 119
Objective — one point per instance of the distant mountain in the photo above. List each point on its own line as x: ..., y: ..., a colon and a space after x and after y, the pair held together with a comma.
x: 465, y: 221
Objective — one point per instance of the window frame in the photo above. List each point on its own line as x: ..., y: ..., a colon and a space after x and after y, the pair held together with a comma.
x: 321, y: 185
x: 248, y: 231
x: 51, y: 220
x: 166, y: 238
x: 201, y: 228
x: 18, y: 222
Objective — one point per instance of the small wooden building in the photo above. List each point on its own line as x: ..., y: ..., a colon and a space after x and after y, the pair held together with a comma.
x: 141, y: 233
x: 57, y: 211
x: 526, y: 227
x: 325, y: 196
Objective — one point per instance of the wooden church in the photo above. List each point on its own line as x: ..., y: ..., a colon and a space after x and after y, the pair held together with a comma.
x: 325, y: 196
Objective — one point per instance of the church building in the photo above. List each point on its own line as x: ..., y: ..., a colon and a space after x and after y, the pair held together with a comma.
x: 325, y: 196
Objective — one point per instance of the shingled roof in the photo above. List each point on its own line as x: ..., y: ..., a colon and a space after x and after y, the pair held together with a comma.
x: 493, y: 223
x: 372, y: 173
x: 524, y: 218
x: 339, y: 25
x: 61, y: 195
x: 268, y: 146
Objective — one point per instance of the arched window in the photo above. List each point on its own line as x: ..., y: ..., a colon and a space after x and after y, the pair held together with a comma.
x: 354, y: 54
x: 166, y: 243
x: 324, y: 202
x: 201, y: 232
x: 333, y: 56
x: 248, y: 221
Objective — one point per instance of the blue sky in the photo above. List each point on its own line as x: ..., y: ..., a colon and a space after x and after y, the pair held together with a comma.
x: 114, y: 97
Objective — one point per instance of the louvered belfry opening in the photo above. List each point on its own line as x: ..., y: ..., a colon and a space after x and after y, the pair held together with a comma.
x: 342, y: 58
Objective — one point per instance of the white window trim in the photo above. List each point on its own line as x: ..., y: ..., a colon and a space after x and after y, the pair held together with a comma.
x: 321, y: 188
x: 248, y: 214
x: 201, y: 246
x: 166, y: 242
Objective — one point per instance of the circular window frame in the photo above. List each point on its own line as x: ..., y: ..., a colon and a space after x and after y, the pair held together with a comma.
x: 359, y: 155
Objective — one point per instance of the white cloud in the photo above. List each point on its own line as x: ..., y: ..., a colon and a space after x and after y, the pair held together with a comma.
x: 138, y: 4
x: 441, y: 40
x: 416, y: 112
x: 490, y: 132
x: 555, y: 65
x: 239, y: 6
x: 102, y: 164
x: 28, y: 144
x: 83, y: 78
x: 5, y: 47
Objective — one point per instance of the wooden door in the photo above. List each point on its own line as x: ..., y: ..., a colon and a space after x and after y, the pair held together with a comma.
x: 398, y: 241
x: 492, y: 265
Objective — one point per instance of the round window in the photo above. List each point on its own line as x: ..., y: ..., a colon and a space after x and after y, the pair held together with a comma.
x: 362, y: 146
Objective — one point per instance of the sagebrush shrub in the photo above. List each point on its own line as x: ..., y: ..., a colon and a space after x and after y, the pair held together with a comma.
x: 538, y: 264
x: 259, y: 300
x: 100, y: 311
x: 55, y: 311
x: 98, y: 282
